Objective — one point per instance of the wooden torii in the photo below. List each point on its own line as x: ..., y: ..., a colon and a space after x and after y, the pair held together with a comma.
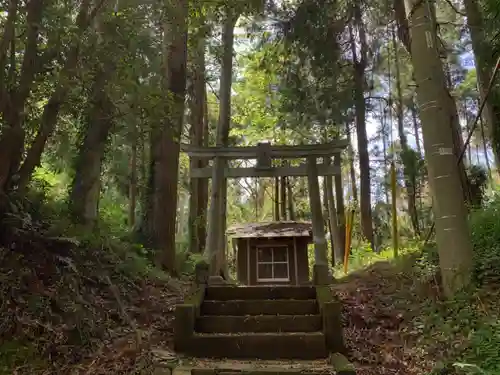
x: 264, y: 153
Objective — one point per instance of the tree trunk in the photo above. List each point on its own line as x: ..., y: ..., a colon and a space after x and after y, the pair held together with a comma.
x: 85, y: 190
x: 181, y: 217
x: 339, y: 195
x: 13, y: 104
x: 86, y: 186
x: 458, y: 145
x: 335, y: 238
x: 132, y: 191
x: 466, y: 118
x: 452, y: 232
x: 51, y: 110
x: 203, y: 183
x: 407, y: 155
x: 223, y: 132
x: 291, y: 209
x: 8, y: 39
x: 416, y: 127
x: 360, y: 107
x: 283, y: 197
x: 166, y: 148
x: 384, y: 150
x: 277, y: 199
x: 352, y: 170
x: 481, y: 49
x: 485, y: 147
x: 197, y: 208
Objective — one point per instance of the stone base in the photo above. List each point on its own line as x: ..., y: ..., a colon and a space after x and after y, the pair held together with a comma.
x: 216, y: 280
x: 201, y: 272
x: 322, y: 275
x: 341, y: 364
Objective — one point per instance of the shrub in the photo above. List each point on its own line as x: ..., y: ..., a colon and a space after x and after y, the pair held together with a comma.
x: 485, y: 231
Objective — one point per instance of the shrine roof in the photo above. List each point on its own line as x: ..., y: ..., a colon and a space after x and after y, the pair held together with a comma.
x: 271, y: 229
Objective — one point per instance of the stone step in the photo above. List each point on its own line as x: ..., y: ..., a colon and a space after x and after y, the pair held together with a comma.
x: 207, y: 366
x: 259, y: 323
x: 258, y: 371
x: 260, y: 307
x: 297, y: 345
x: 226, y: 293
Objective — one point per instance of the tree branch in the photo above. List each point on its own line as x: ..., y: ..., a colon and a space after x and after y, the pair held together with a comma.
x: 30, y: 59
x: 455, y: 8
x: 7, y: 39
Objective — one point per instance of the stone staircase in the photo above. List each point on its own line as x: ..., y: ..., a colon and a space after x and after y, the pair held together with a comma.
x: 265, y: 322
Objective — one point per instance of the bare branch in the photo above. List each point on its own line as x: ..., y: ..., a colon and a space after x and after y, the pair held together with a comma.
x: 452, y: 6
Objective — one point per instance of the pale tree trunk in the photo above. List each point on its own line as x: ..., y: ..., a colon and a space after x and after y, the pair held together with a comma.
x: 481, y: 49
x: 166, y: 141
x: 452, y: 232
x: 407, y: 163
x: 197, y: 208
x: 51, y: 110
x: 360, y: 63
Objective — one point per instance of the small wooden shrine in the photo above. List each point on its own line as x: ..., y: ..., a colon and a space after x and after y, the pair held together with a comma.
x: 272, y: 253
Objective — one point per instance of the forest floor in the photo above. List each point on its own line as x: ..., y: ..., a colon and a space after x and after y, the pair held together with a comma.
x: 397, y: 323
x: 68, y: 308
x: 379, y: 304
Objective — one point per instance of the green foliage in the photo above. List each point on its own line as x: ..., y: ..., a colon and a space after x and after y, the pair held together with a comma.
x: 478, y: 179
x: 485, y: 233
x: 15, y: 355
x: 485, y: 224
x: 484, y: 342
x: 472, y: 320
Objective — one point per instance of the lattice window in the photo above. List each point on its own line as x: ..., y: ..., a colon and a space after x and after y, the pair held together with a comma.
x: 273, y: 263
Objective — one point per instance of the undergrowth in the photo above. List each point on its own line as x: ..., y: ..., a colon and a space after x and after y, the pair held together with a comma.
x: 74, y: 301
x: 462, y: 336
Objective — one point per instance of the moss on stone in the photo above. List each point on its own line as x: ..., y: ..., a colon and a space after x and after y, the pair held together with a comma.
x: 323, y: 294
x: 341, y: 364
x: 196, y: 297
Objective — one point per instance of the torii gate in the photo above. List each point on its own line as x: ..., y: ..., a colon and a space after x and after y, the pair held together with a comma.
x: 264, y: 153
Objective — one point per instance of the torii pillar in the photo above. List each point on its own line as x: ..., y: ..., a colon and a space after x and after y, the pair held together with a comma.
x: 321, y: 271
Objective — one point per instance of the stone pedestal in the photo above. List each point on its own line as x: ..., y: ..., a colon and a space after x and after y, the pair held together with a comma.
x: 322, y: 275
x: 216, y: 280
